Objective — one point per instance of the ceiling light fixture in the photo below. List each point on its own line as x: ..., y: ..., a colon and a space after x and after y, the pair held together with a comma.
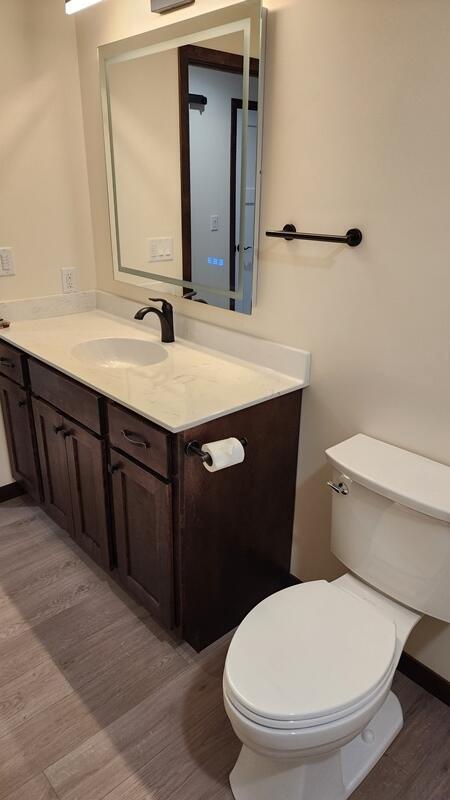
x: 72, y: 6
x: 160, y: 6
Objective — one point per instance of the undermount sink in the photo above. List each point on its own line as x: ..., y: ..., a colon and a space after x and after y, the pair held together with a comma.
x: 119, y: 353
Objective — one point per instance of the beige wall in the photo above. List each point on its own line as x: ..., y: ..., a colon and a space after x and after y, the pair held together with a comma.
x: 356, y: 133
x: 44, y: 198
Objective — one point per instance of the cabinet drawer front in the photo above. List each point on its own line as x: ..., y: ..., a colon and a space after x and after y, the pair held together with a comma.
x: 11, y: 363
x: 140, y: 439
x: 67, y: 395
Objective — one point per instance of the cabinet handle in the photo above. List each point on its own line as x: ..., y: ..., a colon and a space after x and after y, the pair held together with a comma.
x: 58, y: 428
x: 130, y: 437
x: 6, y: 362
x: 113, y: 468
x: 21, y: 403
x: 66, y: 434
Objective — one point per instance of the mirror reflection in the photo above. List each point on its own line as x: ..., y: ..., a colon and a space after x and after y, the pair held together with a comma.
x: 182, y: 135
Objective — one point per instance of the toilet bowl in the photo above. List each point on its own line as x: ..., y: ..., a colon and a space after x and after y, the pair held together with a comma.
x: 307, y: 679
x: 319, y: 704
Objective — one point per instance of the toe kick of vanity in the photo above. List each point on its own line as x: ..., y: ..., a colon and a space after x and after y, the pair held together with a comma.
x: 197, y: 549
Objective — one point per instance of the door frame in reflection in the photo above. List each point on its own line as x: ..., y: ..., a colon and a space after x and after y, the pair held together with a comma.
x: 196, y: 55
x: 236, y: 105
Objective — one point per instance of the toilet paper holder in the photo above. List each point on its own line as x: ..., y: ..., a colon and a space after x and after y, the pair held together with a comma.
x: 194, y: 448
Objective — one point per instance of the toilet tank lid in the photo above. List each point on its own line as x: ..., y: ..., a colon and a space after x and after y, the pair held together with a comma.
x: 404, y: 477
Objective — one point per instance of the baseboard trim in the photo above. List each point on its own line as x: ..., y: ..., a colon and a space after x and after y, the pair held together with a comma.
x: 414, y: 670
x: 425, y: 677
x: 10, y: 491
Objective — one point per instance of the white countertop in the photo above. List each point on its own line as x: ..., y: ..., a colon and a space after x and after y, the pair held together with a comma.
x: 192, y: 385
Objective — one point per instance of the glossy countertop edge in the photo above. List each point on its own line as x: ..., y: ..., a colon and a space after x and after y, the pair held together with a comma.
x: 7, y: 335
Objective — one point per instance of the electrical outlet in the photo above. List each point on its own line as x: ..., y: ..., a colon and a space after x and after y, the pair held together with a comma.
x: 69, y: 280
x: 7, y: 261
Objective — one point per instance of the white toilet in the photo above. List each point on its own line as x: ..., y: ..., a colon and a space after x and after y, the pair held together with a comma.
x: 308, y: 673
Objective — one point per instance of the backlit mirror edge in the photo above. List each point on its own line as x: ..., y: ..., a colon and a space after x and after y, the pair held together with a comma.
x: 259, y: 151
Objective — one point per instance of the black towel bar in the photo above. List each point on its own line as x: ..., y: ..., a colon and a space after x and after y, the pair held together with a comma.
x: 353, y: 237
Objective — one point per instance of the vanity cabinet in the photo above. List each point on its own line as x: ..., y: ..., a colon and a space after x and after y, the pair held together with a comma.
x: 235, y: 534
x: 20, y: 438
x: 198, y: 549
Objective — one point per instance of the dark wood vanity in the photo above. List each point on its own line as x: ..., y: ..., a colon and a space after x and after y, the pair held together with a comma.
x: 197, y: 549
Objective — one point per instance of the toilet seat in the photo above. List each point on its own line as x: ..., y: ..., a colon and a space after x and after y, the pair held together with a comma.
x: 303, y: 657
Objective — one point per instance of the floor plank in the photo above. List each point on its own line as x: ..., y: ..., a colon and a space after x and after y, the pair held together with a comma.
x: 107, y: 759
x: 182, y: 764
x: 32, y: 692
x: 63, y: 634
x: 61, y: 728
x: 21, y: 508
x: 36, y: 789
x: 99, y: 703
x: 24, y: 613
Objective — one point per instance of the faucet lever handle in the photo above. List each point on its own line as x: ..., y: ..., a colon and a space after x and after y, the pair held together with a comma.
x: 166, y: 306
x: 165, y: 303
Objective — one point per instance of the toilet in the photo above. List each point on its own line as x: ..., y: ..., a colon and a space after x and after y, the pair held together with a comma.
x: 307, y: 680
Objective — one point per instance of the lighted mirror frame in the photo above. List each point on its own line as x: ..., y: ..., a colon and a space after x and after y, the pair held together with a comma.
x: 147, y: 279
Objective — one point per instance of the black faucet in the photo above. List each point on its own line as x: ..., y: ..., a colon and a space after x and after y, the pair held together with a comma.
x: 165, y: 317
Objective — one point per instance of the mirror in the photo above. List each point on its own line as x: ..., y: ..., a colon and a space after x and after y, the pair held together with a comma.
x: 182, y: 109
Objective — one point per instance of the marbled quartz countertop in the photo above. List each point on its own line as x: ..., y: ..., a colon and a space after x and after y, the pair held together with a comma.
x: 192, y: 385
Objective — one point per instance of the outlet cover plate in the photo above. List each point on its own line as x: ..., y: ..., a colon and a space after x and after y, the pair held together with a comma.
x: 69, y: 280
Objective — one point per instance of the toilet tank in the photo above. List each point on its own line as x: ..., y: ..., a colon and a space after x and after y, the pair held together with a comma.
x: 392, y: 528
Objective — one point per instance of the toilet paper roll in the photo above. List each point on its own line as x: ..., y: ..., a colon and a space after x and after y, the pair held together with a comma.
x: 225, y: 453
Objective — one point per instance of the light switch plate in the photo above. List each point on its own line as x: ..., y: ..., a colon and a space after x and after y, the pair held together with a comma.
x: 160, y: 249
x: 7, y: 266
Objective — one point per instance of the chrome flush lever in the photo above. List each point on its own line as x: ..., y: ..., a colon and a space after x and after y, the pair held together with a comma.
x: 340, y: 488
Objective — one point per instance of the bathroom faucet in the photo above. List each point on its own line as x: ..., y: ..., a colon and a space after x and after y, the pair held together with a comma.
x: 165, y: 317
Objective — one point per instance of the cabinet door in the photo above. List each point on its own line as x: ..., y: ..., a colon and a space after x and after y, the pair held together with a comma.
x: 143, y: 528
x: 88, y: 487
x: 20, y: 436
x: 50, y: 433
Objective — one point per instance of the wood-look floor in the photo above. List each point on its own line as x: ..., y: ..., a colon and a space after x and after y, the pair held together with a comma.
x: 96, y: 701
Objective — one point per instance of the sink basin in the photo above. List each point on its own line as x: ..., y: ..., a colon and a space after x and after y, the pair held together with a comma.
x: 119, y: 353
